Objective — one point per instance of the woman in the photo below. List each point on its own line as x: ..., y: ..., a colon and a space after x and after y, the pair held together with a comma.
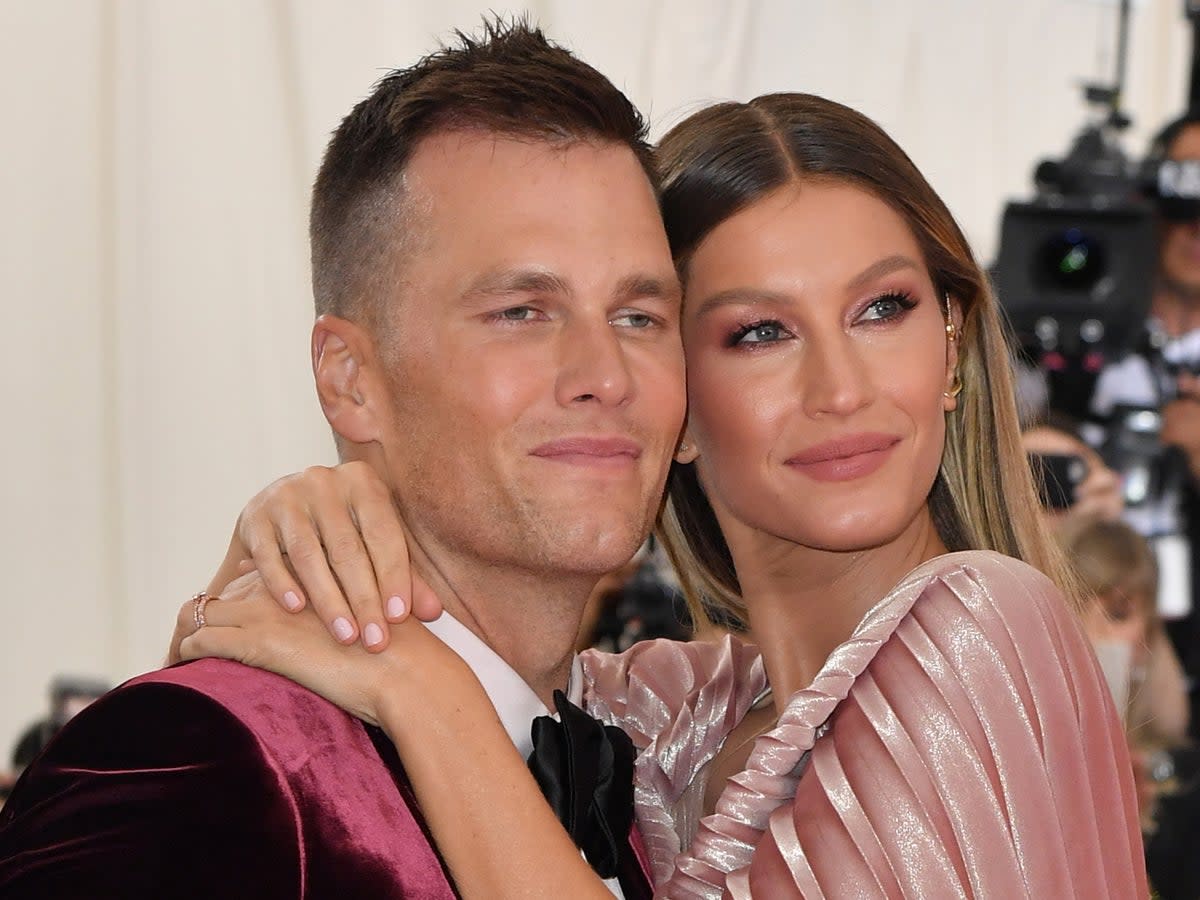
x: 907, y: 721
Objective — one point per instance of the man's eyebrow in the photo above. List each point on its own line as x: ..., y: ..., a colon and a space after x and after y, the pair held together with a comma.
x: 635, y: 287
x: 515, y: 281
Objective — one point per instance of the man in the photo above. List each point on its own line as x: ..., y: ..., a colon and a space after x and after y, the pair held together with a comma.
x: 497, y: 332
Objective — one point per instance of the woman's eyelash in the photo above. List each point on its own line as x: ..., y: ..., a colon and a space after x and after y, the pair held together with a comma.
x: 741, y: 331
x: 903, y: 299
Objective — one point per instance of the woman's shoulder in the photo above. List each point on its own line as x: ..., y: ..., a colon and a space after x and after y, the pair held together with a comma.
x: 1001, y: 594
x: 987, y: 569
x: 980, y: 618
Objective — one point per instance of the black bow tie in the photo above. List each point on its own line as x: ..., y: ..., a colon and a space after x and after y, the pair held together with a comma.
x: 585, y: 769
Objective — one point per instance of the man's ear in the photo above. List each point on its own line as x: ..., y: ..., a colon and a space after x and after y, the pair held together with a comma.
x: 348, y: 376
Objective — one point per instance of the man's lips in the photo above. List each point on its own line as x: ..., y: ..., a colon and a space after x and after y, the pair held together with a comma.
x: 590, y: 451
x: 844, y: 458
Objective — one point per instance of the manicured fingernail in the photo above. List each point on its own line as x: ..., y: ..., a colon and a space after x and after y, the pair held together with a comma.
x: 291, y: 601
x: 372, y: 635
x: 395, y: 607
x: 343, y: 629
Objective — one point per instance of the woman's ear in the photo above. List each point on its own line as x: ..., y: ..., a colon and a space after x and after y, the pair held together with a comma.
x: 347, y: 375
x: 686, y: 451
x: 954, y: 336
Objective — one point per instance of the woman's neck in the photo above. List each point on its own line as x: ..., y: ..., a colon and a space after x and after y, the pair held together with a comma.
x: 803, y: 602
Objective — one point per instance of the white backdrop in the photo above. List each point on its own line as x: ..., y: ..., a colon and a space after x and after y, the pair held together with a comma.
x: 154, y: 170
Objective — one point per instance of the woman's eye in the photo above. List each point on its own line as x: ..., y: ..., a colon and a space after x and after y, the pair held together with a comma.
x: 887, y: 307
x: 759, y: 333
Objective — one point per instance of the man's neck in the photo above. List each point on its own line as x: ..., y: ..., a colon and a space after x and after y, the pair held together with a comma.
x: 530, y: 620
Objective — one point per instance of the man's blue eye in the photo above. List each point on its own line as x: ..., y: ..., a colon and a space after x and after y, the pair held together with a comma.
x: 637, y: 320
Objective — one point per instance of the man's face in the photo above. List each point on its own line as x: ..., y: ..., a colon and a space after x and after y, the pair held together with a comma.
x: 1180, y: 244
x: 533, y: 354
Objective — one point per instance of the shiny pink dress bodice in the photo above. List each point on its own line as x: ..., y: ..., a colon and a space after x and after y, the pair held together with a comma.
x: 961, y: 743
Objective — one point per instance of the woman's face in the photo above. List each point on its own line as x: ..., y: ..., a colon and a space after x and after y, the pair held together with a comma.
x: 817, y: 358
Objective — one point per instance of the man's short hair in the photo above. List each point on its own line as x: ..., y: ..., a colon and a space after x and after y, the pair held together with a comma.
x: 510, y: 82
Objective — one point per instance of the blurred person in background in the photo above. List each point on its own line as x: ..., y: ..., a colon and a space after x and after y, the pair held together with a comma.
x: 640, y: 601
x: 1118, y: 569
x: 1160, y: 377
x: 1076, y: 485
x: 1083, y: 504
x: 68, y: 695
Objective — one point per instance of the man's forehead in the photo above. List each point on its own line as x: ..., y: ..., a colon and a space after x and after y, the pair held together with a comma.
x: 454, y: 161
x: 661, y: 285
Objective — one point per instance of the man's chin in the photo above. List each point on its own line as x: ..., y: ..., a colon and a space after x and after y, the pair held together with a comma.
x: 586, y: 549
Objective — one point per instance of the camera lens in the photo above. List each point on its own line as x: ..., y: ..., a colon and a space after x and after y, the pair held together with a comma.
x: 1070, y: 261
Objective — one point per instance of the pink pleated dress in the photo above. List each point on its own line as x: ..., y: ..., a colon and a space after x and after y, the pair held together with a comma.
x: 961, y: 744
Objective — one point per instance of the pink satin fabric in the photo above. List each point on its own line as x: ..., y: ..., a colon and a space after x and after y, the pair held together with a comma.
x: 961, y: 743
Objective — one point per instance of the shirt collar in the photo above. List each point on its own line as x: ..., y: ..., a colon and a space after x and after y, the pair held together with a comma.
x: 515, y: 701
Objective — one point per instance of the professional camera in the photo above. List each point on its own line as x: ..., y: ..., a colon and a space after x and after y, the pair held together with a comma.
x: 1077, y: 262
x: 1075, y: 272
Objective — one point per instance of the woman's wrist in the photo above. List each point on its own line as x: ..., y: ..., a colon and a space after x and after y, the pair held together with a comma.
x: 414, y: 683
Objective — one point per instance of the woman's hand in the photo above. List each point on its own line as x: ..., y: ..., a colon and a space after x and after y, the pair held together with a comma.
x: 332, y: 538
x: 247, y: 625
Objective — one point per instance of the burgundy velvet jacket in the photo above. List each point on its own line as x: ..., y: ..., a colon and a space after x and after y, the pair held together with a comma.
x: 215, y: 780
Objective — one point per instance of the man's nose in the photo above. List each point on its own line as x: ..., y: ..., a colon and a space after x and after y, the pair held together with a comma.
x: 593, y: 366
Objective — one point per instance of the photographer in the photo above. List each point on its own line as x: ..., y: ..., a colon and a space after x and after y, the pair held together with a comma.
x: 1175, y: 308
x: 1161, y: 375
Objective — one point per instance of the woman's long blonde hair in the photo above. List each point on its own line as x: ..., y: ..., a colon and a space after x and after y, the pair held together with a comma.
x: 726, y: 157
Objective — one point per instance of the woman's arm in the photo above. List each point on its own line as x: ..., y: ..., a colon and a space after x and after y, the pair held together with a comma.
x: 496, y: 832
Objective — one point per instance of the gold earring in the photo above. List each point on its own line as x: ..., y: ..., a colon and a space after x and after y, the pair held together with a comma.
x: 956, y: 386
x: 951, y: 332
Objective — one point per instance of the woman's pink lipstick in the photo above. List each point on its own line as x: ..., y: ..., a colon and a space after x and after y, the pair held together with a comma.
x: 845, y: 458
